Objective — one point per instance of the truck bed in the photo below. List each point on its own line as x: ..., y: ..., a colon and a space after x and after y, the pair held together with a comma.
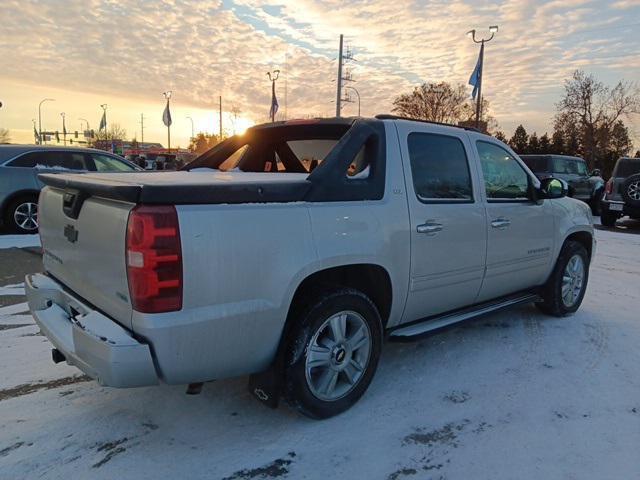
x: 186, y: 187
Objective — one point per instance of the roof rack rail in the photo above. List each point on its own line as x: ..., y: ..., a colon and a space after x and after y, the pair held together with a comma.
x: 387, y: 116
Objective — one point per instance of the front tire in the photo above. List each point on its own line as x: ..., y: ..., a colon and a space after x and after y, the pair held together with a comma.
x: 21, y: 215
x: 332, y: 353
x: 564, y: 291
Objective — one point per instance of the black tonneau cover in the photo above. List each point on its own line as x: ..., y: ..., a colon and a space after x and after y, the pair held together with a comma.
x: 182, y: 188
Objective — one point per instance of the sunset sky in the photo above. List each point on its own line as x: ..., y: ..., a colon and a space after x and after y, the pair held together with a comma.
x: 125, y: 53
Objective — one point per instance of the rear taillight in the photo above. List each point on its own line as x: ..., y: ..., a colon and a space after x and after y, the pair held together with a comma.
x: 608, y: 187
x: 154, y: 259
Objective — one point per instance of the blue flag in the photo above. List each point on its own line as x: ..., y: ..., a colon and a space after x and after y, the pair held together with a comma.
x: 103, y: 121
x: 274, y: 102
x: 166, y: 115
x: 476, y: 76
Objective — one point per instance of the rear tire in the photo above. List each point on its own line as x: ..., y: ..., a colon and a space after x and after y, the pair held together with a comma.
x: 563, y: 293
x: 21, y: 215
x: 332, y: 353
x: 608, y: 219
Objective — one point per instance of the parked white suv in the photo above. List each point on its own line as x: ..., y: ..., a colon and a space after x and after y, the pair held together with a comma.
x: 291, y: 252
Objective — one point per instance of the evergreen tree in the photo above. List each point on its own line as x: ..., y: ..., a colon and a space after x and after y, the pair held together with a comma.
x: 534, y: 144
x: 520, y: 140
x: 545, y: 144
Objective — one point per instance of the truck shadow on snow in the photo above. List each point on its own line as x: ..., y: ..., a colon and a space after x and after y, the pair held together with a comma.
x: 157, y: 418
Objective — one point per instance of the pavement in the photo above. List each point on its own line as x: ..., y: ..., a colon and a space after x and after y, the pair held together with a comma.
x: 512, y: 395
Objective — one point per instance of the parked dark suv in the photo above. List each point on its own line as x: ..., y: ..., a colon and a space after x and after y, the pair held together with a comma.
x: 19, y: 184
x: 583, y: 185
x: 622, y: 192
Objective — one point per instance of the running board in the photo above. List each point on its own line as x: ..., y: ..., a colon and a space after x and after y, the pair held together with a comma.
x: 434, y: 323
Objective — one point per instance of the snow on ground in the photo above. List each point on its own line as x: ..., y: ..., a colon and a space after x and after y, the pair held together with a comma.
x: 511, y: 395
x: 19, y: 241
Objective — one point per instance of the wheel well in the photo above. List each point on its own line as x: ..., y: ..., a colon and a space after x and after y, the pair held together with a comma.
x: 18, y: 194
x: 372, y: 280
x: 583, y: 238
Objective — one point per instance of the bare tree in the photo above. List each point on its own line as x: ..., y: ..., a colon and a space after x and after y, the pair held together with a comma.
x: 5, y: 137
x: 435, y: 102
x: 104, y: 138
x: 594, y: 108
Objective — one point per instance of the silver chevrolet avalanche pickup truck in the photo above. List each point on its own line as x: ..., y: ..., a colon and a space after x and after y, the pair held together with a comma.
x: 290, y: 253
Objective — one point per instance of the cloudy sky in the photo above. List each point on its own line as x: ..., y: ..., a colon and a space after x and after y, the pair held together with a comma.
x: 125, y: 53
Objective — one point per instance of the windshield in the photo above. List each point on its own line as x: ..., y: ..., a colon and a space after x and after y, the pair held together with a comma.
x: 284, y: 148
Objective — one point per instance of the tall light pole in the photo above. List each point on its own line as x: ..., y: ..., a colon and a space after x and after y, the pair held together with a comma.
x: 85, y: 121
x: 273, y: 76
x: 357, y: 94
x: 40, y: 115
x: 64, y: 129
x: 339, y: 87
x: 472, y: 33
x: 192, y: 134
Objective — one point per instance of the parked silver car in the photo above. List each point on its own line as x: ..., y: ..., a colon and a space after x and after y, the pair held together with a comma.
x: 19, y: 184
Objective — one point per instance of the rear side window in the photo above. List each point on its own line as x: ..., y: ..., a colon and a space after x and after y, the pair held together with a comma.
x: 439, y: 168
x: 504, y: 178
x: 626, y: 168
x: 28, y: 160
x: 536, y: 164
x: 51, y: 160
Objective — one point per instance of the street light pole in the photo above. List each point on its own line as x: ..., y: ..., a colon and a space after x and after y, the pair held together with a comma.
x: 357, y: 94
x: 86, y: 129
x: 273, y: 76
x: 472, y: 33
x: 192, y: 134
x: 64, y: 130
x: 40, y: 116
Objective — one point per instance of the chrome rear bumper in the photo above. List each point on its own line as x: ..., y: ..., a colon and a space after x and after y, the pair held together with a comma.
x: 88, y: 339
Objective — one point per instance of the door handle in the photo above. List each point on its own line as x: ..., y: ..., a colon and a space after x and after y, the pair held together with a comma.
x: 501, y: 223
x: 430, y: 228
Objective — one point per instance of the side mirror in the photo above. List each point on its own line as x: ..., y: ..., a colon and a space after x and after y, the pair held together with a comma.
x: 596, y: 173
x: 553, y: 188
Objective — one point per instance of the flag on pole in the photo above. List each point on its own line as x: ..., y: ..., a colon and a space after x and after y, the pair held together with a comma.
x: 166, y: 115
x: 36, y: 135
x: 274, y: 102
x: 476, y: 76
x: 103, y: 121
x: 64, y: 127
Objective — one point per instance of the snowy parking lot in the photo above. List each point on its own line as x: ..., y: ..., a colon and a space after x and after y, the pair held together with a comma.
x: 511, y: 395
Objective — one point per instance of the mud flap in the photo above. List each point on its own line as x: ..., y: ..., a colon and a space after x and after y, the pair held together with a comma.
x: 265, y: 386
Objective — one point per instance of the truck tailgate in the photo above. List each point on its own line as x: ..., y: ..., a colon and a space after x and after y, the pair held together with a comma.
x: 87, y: 253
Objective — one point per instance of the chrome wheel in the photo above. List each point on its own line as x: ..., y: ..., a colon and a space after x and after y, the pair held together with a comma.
x: 634, y: 190
x: 26, y: 216
x: 572, y: 281
x: 337, y: 356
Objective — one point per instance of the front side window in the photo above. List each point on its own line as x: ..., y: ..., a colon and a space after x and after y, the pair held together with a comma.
x: 439, y: 168
x: 504, y: 178
x: 105, y: 163
x: 582, y: 168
